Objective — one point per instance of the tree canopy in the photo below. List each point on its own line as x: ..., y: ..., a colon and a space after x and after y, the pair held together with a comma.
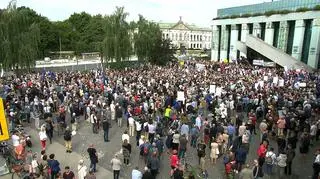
x: 26, y: 36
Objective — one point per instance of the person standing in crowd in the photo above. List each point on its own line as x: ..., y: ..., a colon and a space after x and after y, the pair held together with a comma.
x: 138, y: 131
x: 316, y: 165
x: 116, y: 166
x: 67, y: 139
x: 106, y: 126
x: 154, y: 164
x: 246, y: 172
x: 282, y: 163
x: 183, y: 143
x: 131, y: 122
x: 126, y: 152
x: 270, y: 161
x: 147, y: 174
x: 68, y: 174
x: 54, y: 166
x: 43, y: 137
x: 257, y: 170
x: 93, y: 156
x: 214, y: 151
x: 94, y: 122
x: 136, y: 174
x: 82, y: 170
x: 125, y: 136
x: 290, y: 156
x: 119, y: 115
x: 49, y: 129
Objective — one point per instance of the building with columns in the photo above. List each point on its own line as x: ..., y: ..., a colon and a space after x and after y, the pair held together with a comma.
x: 186, y: 35
x: 286, y: 32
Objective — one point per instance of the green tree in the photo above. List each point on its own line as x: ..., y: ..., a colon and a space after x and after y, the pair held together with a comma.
x: 19, y: 38
x: 149, y: 45
x: 117, y: 44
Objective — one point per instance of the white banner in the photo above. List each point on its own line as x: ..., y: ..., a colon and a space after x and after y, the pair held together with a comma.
x: 180, y: 96
x: 281, y: 82
x: 212, y: 89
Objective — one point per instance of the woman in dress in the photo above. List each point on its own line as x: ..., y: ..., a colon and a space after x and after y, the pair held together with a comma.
x: 214, y: 151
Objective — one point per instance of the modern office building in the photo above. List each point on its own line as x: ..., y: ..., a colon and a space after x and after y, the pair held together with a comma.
x: 285, y: 31
x: 186, y: 35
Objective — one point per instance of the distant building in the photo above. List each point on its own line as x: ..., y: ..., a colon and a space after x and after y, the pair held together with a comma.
x: 285, y: 31
x: 186, y: 35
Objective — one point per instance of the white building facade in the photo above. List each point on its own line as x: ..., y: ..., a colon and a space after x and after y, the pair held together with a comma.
x: 291, y: 31
x: 185, y: 35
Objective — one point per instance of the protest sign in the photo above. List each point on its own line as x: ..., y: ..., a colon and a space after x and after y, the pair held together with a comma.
x: 212, y: 89
x: 180, y: 96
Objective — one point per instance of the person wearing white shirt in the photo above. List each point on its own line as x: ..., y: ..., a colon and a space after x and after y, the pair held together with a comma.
x: 138, y: 129
x: 43, y: 137
x: 313, y: 132
x: 82, y: 170
x: 15, y: 139
x: 152, y: 131
x: 113, y: 111
x: 125, y: 136
x: 136, y: 174
x: 270, y: 159
x: 131, y: 126
x: 199, y: 122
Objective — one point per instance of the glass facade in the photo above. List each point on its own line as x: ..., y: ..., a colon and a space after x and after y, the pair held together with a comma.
x: 268, y: 6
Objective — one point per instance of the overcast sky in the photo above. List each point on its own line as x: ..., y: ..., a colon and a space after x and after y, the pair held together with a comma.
x: 199, y: 12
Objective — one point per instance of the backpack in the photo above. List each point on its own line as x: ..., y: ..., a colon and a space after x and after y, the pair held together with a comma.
x: 146, y: 150
x: 226, y: 159
x: 146, y: 128
x: 269, y: 159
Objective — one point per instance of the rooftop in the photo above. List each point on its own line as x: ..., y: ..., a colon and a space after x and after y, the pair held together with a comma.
x: 192, y: 27
x: 290, y: 5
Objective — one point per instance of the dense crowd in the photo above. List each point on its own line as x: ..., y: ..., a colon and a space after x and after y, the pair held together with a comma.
x: 216, y: 108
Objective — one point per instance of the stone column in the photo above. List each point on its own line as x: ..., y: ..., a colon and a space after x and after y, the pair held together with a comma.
x: 314, y: 51
x: 269, y: 33
x: 298, y: 39
x: 244, y: 33
x: 215, y: 43
x: 256, y: 30
x: 233, y: 41
x: 283, y: 35
x: 224, y: 43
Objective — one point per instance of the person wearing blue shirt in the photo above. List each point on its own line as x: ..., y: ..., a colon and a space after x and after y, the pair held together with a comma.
x: 136, y: 174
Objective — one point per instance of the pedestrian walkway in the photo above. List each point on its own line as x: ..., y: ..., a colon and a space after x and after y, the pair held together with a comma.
x: 65, y: 159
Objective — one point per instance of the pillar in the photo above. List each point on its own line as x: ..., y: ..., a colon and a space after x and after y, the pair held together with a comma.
x: 283, y: 35
x: 224, y: 43
x: 215, y: 43
x: 314, y: 44
x: 244, y: 33
x: 233, y: 41
x: 257, y: 30
x: 298, y: 39
x: 269, y: 33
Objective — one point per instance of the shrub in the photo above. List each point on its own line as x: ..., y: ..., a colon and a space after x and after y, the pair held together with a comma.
x: 316, y: 8
x: 269, y: 13
x: 302, y: 9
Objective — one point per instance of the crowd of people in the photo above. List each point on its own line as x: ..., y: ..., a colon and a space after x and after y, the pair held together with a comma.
x: 216, y: 108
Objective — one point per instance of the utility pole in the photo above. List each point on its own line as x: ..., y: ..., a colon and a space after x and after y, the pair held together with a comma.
x: 60, y: 47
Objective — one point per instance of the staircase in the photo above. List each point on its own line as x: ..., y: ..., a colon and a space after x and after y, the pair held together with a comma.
x: 276, y: 55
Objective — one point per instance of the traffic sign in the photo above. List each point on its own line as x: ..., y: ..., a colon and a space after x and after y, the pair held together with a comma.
x: 4, y: 133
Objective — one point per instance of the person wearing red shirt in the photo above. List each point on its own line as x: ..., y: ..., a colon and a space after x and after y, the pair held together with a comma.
x: 174, y: 159
x: 262, y: 151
